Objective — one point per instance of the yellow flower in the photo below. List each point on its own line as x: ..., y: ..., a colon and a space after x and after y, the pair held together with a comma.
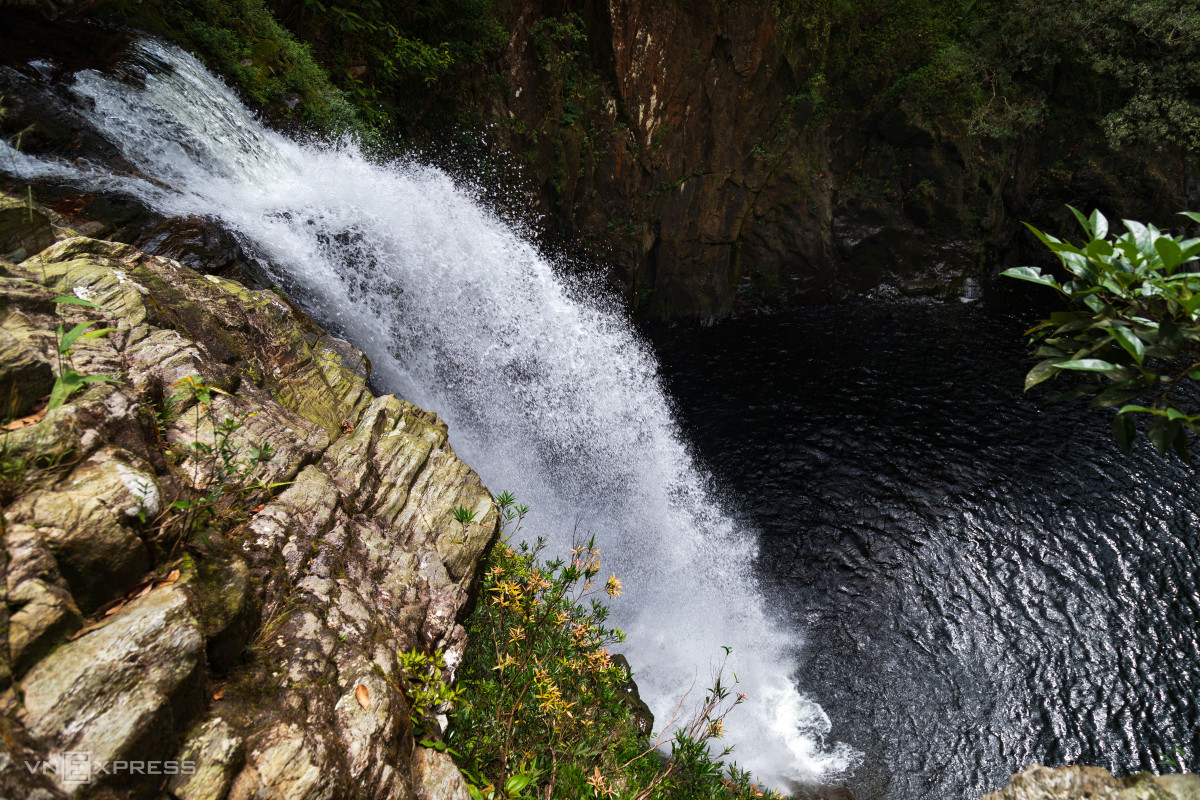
x: 613, y: 586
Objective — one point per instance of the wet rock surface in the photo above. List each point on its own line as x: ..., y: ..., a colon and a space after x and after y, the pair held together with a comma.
x: 235, y: 647
x: 1092, y: 783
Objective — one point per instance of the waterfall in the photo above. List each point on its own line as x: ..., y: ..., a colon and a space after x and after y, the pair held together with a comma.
x: 547, y: 391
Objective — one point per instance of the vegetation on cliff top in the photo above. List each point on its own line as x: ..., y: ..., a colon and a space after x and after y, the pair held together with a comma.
x: 1003, y: 66
x: 331, y: 66
x: 999, y: 68
x: 242, y: 41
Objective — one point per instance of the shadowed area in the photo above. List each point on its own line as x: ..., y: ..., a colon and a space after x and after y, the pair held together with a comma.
x: 982, y: 579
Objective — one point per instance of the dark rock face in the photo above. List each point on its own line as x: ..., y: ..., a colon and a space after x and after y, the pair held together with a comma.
x: 685, y: 144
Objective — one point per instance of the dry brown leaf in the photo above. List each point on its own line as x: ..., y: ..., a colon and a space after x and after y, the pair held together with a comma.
x: 219, y: 694
x: 93, y: 627
x: 172, y: 576
x: 258, y: 508
x: 25, y: 422
x: 145, y: 590
x: 115, y: 609
x: 363, y: 695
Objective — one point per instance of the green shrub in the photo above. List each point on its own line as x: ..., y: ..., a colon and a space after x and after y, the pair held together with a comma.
x: 543, y: 711
x: 1132, y: 328
x: 242, y: 41
x: 394, y: 58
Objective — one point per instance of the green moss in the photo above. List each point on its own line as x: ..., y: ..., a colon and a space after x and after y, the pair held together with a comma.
x: 242, y: 41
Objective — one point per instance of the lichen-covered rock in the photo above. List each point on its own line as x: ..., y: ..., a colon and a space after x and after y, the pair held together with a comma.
x: 119, y: 692
x: 262, y: 646
x: 25, y: 376
x: 213, y: 753
x: 436, y: 778
x: 1092, y: 783
x: 43, y: 612
x: 88, y: 524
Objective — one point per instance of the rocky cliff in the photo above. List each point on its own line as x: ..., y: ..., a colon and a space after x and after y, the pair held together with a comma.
x: 720, y: 153
x: 1092, y: 783
x: 249, y: 652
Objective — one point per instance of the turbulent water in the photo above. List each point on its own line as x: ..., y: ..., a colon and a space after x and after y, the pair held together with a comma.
x: 983, y: 579
x: 547, y: 392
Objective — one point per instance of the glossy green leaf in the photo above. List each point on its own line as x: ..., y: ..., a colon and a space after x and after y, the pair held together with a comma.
x: 1077, y: 263
x: 96, y: 334
x: 1140, y: 234
x: 1074, y: 393
x: 1087, y: 365
x: 517, y: 783
x: 1117, y: 395
x: 1130, y: 341
x: 1050, y: 351
x: 1042, y: 371
x: 1140, y: 409
x: 1162, y: 434
x: 1169, y: 335
x: 67, y: 339
x: 1169, y: 252
x: 75, y: 301
x: 1031, y: 274
x: 1083, y: 221
x: 1099, y: 248
x: 64, y: 386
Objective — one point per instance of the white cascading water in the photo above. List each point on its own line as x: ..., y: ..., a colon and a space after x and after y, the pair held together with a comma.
x: 548, y: 392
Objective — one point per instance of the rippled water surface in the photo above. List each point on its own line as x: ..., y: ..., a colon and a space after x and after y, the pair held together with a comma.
x: 982, y: 580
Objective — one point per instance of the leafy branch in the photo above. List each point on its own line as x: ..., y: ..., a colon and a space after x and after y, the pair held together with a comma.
x: 1132, y: 328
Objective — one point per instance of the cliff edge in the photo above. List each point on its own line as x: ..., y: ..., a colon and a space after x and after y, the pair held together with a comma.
x: 215, y: 548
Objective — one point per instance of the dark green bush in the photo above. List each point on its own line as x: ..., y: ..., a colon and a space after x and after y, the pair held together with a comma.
x: 243, y: 42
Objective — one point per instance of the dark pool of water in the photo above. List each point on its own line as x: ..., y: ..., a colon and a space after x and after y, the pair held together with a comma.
x: 982, y: 580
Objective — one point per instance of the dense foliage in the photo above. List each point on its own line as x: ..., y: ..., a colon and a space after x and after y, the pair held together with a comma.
x: 1003, y: 66
x: 1132, y: 329
x: 242, y: 41
x: 545, y: 710
x: 395, y: 57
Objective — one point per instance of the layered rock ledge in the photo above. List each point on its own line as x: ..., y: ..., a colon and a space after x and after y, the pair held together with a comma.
x: 1092, y: 783
x: 260, y: 650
